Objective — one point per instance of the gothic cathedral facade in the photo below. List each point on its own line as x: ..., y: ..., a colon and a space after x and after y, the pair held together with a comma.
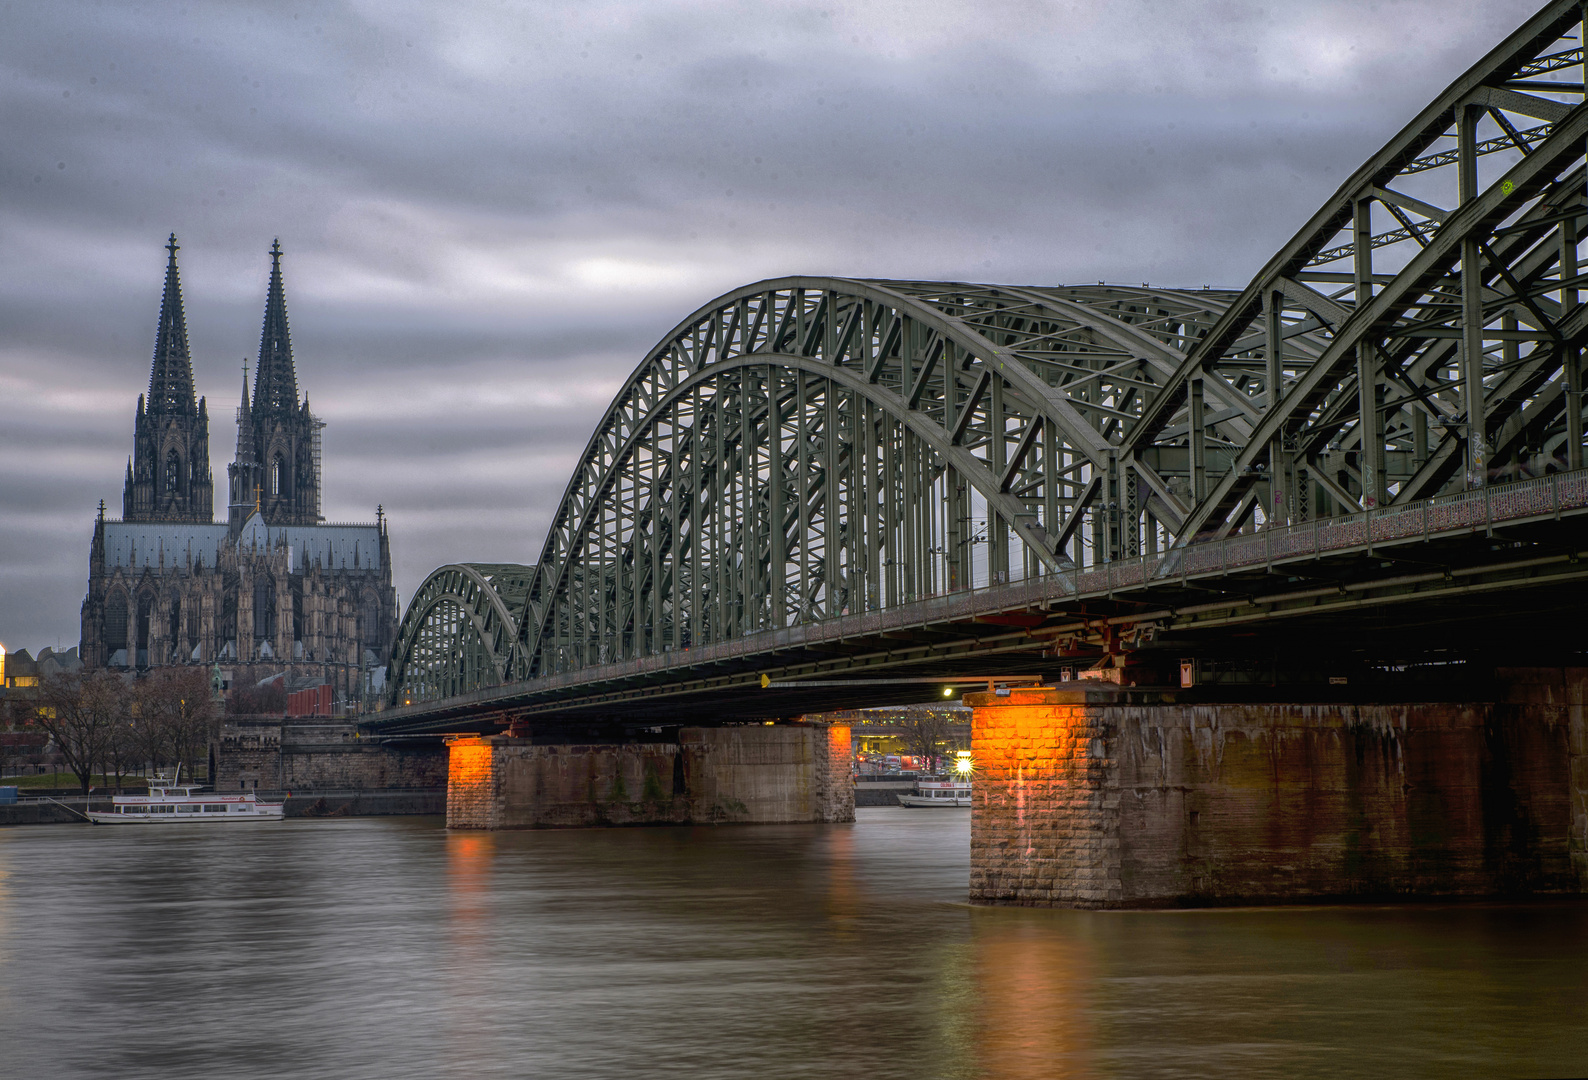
x: 271, y: 591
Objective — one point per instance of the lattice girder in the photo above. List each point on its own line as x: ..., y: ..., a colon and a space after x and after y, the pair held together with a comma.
x: 460, y: 632
x: 1015, y: 398
x: 1446, y: 298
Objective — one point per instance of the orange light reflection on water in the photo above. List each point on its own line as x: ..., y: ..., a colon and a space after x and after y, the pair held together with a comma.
x: 1032, y: 989
x: 471, y: 933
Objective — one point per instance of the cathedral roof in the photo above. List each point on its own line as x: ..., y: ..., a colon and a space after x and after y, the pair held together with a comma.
x: 136, y: 545
x: 171, y: 377
x: 275, y: 377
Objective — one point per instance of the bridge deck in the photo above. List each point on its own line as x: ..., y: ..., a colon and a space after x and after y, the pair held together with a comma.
x: 1506, y: 554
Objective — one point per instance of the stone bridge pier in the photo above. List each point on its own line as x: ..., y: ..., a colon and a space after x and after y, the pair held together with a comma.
x: 1098, y: 797
x: 751, y: 773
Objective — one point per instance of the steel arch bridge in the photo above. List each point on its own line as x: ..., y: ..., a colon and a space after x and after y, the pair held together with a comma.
x: 811, y: 452
x: 458, y: 632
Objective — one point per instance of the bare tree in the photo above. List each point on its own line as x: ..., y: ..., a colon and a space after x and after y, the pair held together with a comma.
x: 11, y: 717
x: 926, y: 732
x: 177, y: 714
x: 7, y: 712
x: 270, y: 698
x: 123, y: 749
x: 149, y: 731
x: 80, y: 712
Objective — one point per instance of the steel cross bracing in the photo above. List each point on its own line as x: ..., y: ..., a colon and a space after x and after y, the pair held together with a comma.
x: 459, y: 631
x: 1442, y: 283
x: 804, y: 450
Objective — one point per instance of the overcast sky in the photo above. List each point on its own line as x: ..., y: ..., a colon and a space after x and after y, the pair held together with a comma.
x: 490, y: 211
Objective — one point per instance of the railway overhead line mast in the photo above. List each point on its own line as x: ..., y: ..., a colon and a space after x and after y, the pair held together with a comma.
x: 819, y: 478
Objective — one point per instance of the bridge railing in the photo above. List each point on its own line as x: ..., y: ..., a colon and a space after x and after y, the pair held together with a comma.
x: 1464, y: 511
x: 1442, y: 515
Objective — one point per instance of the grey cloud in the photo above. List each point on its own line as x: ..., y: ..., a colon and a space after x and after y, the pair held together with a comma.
x: 491, y: 212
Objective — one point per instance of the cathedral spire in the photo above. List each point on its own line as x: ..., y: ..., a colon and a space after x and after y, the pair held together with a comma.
x: 275, y: 379
x: 169, y: 476
x: 171, y: 377
x: 245, y: 435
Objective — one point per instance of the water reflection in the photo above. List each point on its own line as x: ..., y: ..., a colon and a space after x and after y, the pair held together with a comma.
x: 1032, y: 991
x: 391, y: 948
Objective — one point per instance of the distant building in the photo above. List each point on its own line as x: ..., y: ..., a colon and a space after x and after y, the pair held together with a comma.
x: 21, y: 672
x: 24, y: 748
x: 272, y: 589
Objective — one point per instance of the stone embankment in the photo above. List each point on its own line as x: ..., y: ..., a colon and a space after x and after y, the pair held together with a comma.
x: 322, y: 804
x: 881, y: 792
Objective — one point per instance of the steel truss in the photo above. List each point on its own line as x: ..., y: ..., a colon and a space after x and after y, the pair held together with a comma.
x: 459, y: 632
x: 805, y: 449
x: 1423, y: 332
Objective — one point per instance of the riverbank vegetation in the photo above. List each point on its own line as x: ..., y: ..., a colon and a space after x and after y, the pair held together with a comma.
x: 114, y: 726
x: 62, y: 780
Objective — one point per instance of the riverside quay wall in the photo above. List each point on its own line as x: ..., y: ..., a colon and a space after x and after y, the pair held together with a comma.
x: 758, y: 774
x: 316, y: 754
x: 1109, y: 798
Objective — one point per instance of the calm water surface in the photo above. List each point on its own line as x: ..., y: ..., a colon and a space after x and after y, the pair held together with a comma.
x: 391, y: 948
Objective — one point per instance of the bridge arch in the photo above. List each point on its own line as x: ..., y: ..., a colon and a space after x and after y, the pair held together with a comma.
x: 459, y: 632
x: 726, y: 489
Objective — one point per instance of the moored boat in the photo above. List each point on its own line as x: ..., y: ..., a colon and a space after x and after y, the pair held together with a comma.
x: 938, y: 793
x: 169, y: 800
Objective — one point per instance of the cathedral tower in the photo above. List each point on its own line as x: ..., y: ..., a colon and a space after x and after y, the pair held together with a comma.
x: 278, y: 440
x: 168, y: 477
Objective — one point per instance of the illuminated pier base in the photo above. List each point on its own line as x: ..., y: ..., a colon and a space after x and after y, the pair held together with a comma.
x: 1102, y: 798
x: 751, y: 774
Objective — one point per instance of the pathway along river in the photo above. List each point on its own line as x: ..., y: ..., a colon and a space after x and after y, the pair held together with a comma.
x: 391, y: 948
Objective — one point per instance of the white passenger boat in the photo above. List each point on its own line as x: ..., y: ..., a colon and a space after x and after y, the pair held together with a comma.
x: 169, y: 800
x: 938, y: 793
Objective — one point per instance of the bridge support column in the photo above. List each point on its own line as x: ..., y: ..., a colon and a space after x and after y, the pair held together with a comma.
x: 1101, y: 798
x: 752, y: 774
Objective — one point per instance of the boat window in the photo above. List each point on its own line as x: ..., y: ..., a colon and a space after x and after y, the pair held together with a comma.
x: 212, y: 809
x: 239, y: 809
x: 189, y: 809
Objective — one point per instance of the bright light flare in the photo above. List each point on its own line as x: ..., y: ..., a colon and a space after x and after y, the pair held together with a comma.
x: 964, y: 764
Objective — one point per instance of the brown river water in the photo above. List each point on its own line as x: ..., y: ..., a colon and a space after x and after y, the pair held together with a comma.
x: 386, y: 948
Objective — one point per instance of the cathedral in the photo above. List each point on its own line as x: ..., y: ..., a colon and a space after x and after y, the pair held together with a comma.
x: 273, y: 590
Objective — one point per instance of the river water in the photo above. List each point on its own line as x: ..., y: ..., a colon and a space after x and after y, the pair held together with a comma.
x: 385, y: 948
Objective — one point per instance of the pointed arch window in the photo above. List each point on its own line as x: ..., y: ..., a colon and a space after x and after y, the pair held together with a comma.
x: 145, y: 617
x: 369, y: 623
x: 277, y: 467
x: 173, y: 472
x: 115, y: 622
x: 264, y: 607
x: 174, y: 619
